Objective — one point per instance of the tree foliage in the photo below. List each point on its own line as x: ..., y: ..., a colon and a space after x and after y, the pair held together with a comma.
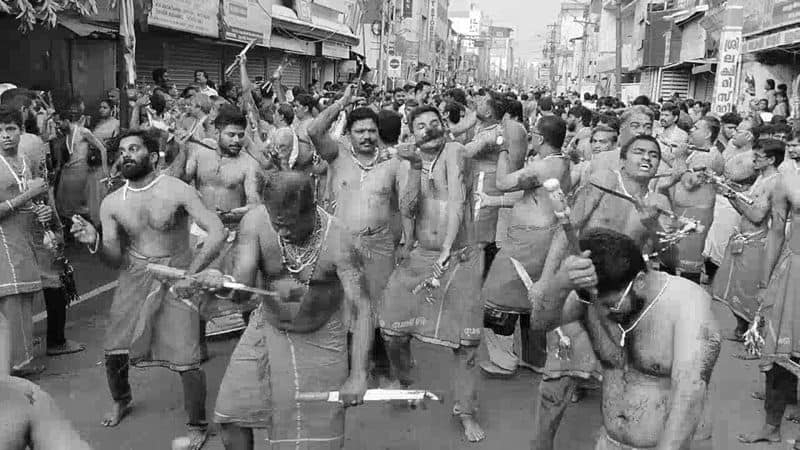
x: 31, y: 12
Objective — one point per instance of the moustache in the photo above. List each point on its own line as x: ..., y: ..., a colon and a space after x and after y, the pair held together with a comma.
x: 432, y: 135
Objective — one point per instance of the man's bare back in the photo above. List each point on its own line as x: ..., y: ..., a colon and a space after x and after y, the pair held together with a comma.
x: 29, y: 418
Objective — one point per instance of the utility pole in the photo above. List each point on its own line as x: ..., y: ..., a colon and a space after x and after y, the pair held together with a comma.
x: 584, y: 42
x: 618, y: 75
x: 551, y: 45
x: 381, y: 49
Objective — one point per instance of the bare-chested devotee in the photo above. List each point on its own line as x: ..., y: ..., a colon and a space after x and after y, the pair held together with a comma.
x: 296, y: 341
x: 531, y: 229
x: 637, y: 120
x: 639, y: 162
x: 693, y: 197
x: 658, y: 350
x: 228, y: 181
x: 447, y: 312
x: 736, y: 283
x: 778, y: 298
x: 147, y: 221
x: 367, y: 187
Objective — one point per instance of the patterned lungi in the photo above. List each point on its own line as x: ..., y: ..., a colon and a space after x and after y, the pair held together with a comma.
x: 690, y: 248
x: 736, y: 282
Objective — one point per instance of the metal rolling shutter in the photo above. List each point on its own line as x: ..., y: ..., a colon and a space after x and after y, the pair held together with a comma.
x: 674, y: 81
x: 183, y: 57
x: 149, y: 57
x: 292, y: 75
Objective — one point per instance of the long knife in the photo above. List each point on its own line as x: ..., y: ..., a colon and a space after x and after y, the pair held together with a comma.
x: 373, y: 395
x: 522, y: 274
x: 171, y: 273
x: 633, y: 200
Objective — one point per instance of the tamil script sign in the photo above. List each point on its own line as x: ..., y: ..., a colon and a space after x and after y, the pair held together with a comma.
x: 772, y: 40
x: 192, y: 16
x: 725, y: 85
x: 245, y: 20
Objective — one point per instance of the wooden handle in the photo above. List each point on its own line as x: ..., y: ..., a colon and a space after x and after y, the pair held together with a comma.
x: 562, y: 212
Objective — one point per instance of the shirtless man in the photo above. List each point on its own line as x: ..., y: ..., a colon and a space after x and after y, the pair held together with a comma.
x: 639, y: 161
x: 31, y: 419
x: 693, y: 198
x: 658, y: 350
x: 413, y: 306
x: 147, y: 221
x: 366, y: 188
x: 311, y: 260
x: 637, y: 120
x: 228, y: 181
x: 791, y: 164
x: 776, y: 299
x: 532, y: 227
x: 737, y: 282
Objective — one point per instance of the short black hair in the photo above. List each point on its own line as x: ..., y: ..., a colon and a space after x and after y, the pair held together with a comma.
x: 230, y: 115
x: 773, y: 148
x: 616, y: 257
x: 642, y: 100
x: 289, y: 190
x: 158, y: 74
x: 458, y: 95
x: 150, y: 138
x: 784, y: 128
x: 731, y: 118
x: 360, y: 114
x: 10, y: 114
x: 514, y: 109
x: 673, y: 109
x: 499, y: 105
x: 420, y: 110
x: 306, y: 100
x: 583, y: 113
x: 453, y: 111
x: 553, y: 130
x: 782, y: 87
x: 623, y: 152
x: 771, y: 83
x: 390, y: 126
x: 287, y: 112
x: 713, y: 125
x: 158, y: 102
x: 546, y: 104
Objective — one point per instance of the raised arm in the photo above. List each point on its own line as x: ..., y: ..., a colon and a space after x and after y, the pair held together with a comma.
x: 327, y: 147
x: 456, y: 194
x: 695, y: 349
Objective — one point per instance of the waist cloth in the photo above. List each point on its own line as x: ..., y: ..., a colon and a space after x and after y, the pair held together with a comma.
x: 71, y: 189
x: 483, y: 228
x: 376, y: 247
x: 736, y: 281
x: 529, y: 245
x: 726, y: 219
x: 266, y: 370
x: 212, y: 306
x: 606, y: 442
x: 782, y: 326
x: 690, y: 248
x: 455, y: 316
x: 582, y: 361
x: 148, y: 322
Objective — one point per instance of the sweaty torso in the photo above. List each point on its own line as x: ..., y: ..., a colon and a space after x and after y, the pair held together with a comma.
x: 703, y: 196
x: 221, y: 180
x: 312, y: 294
x: 615, y: 213
x: 535, y: 208
x: 154, y: 222
x: 364, y: 198
x: 432, y: 218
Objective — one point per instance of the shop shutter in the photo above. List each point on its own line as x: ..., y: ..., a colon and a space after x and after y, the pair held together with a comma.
x: 293, y: 75
x: 256, y: 63
x: 674, y: 81
x: 149, y: 57
x: 183, y: 57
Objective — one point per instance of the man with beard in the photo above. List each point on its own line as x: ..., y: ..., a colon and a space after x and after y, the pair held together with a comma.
x: 150, y: 324
x: 532, y: 227
x: 603, y: 139
x: 790, y: 165
x: 671, y: 137
x: 578, y: 131
x: 658, y: 350
x: 737, y: 282
x: 694, y: 197
x: 639, y: 162
x: 449, y: 315
x: 729, y: 123
x: 296, y: 341
x: 636, y: 121
x: 367, y: 189
x: 422, y: 92
x: 777, y: 299
x: 228, y: 182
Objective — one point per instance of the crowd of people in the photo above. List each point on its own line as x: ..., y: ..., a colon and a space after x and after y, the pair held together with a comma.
x: 581, y: 238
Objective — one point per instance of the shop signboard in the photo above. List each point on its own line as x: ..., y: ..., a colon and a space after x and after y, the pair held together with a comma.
x: 192, y: 16
x: 245, y: 20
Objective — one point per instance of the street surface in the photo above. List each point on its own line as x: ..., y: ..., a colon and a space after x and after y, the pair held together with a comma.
x: 78, y: 384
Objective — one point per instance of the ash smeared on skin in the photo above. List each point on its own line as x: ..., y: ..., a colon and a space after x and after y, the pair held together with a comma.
x: 711, y: 341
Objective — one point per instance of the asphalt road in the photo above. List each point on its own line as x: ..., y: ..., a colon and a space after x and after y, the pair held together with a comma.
x: 78, y: 384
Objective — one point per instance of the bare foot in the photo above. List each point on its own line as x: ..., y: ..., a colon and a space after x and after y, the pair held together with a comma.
x: 197, y: 438
x: 794, y: 418
x: 472, y: 430
x: 766, y: 434
x: 117, y: 413
x: 66, y: 348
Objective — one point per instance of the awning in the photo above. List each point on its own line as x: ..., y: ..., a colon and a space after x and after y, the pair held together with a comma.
x: 86, y: 29
x: 285, y: 19
x: 688, y: 63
